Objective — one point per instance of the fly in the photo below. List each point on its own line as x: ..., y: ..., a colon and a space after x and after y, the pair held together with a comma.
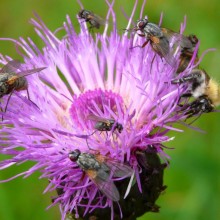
x: 101, y: 169
x: 11, y: 80
x: 160, y: 39
x: 94, y: 20
x: 103, y: 124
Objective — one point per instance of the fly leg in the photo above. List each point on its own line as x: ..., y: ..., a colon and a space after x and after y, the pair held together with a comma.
x: 6, y: 106
x: 142, y: 46
x: 28, y: 95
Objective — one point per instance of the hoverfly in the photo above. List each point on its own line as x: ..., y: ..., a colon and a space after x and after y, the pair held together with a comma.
x: 94, y: 20
x: 187, y: 53
x: 160, y: 39
x: 103, y: 124
x: 100, y: 169
x: 11, y: 80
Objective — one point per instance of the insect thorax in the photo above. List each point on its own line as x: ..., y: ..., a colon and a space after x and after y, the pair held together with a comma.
x: 153, y: 29
x: 88, y: 161
x: 104, y: 126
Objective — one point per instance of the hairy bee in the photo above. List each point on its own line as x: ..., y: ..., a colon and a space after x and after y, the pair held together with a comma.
x: 94, y: 20
x: 205, y: 90
x: 100, y: 169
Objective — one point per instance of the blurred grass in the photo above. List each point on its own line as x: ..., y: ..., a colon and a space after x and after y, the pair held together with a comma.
x: 193, y: 177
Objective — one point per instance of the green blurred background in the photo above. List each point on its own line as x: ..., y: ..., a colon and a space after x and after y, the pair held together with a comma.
x: 193, y: 178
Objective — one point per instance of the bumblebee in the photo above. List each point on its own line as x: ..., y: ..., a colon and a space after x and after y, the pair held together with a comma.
x: 204, y: 89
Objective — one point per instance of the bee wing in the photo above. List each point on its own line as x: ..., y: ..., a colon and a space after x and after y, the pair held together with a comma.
x: 104, y: 183
x: 11, y: 67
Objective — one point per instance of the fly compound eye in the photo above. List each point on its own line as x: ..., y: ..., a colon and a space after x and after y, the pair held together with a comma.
x: 83, y: 14
x: 74, y: 155
x: 119, y: 127
x: 80, y: 14
x: 142, y: 23
x: 193, y: 39
x: 86, y: 13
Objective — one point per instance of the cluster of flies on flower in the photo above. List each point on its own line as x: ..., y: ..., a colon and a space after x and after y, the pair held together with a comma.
x: 99, y: 168
x: 202, y: 88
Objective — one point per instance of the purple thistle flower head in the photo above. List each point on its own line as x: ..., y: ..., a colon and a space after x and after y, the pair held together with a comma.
x: 95, y: 120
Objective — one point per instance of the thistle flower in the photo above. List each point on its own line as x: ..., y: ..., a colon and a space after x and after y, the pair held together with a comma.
x: 88, y: 80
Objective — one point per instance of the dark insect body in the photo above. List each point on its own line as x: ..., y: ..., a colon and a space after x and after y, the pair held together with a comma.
x: 187, y: 53
x: 94, y: 20
x: 11, y: 80
x: 160, y: 39
x: 100, y: 169
x: 103, y: 124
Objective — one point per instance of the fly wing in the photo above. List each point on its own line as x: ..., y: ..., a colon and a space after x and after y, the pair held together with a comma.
x: 120, y: 169
x: 26, y: 73
x: 11, y: 67
x: 29, y: 72
x: 163, y: 49
x: 97, y: 118
x: 183, y: 42
x: 178, y: 39
x: 115, y: 167
x: 104, y: 183
x: 97, y: 19
x: 169, y: 34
